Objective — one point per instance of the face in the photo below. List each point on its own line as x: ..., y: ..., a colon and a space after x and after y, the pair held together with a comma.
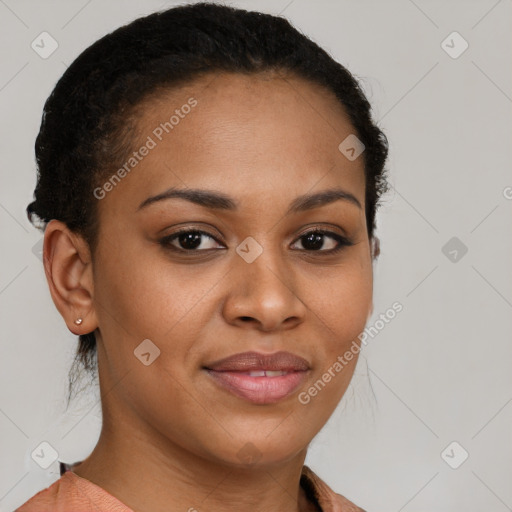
x: 253, y: 267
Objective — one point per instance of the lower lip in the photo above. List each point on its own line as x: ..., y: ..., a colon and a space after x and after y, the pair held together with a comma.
x: 259, y: 390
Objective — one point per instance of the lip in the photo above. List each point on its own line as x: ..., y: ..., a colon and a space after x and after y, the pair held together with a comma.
x: 247, y: 376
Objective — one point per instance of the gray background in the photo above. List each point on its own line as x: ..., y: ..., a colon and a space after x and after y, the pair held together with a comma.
x: 439, y: 372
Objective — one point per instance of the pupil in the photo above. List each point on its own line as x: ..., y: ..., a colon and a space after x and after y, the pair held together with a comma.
x: 314, y: 240
x: 190, y: 240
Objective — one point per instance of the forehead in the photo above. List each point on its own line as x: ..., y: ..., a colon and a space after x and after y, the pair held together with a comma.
x: 266, y: 105
x: 265, y: 134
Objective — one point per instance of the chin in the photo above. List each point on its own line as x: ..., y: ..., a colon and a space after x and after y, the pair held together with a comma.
x: 260, y: 451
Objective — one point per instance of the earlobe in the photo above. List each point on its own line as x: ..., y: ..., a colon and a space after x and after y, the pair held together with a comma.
x: 68, y: 269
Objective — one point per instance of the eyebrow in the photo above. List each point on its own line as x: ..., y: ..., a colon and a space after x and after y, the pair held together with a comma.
x: 220, y: 201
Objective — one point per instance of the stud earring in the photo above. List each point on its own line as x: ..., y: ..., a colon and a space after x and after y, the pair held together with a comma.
x: 78, y: 321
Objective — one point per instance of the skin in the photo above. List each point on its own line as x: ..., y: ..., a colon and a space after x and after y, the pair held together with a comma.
x: 170, y: 437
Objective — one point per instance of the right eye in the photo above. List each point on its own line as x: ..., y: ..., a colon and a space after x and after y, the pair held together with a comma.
x: 189, y: 240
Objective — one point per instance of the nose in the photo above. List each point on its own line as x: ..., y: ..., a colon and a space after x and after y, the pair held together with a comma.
x: 263, y: 295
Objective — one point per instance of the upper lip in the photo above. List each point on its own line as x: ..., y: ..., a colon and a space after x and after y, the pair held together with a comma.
x: 254, y: 361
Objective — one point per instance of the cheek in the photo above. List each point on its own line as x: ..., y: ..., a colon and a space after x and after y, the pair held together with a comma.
x: 341, y: 301
x: 147, y: 298
x: 342, y: 311
x: 350, y: 313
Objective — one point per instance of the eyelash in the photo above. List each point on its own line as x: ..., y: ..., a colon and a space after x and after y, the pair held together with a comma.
x: 342, y: 241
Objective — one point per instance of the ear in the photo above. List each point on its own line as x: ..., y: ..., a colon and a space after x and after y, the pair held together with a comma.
x: 375, y: 251
x: 375, y: 247
x: 68, y: 268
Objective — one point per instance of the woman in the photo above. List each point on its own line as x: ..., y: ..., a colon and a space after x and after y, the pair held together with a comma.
x: 208, y: 183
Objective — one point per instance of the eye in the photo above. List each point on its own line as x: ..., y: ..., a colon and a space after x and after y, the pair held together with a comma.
x: 314, y: 241
x: 195, y: 240
x: 189, y: 240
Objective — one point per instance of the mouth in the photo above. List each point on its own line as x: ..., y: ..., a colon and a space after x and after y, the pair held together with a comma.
x: 259, y: 378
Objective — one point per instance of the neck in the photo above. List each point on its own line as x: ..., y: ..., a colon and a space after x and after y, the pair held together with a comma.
x: 157, y: 476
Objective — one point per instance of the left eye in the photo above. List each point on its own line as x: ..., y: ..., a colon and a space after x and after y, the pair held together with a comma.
x: 314, y: 240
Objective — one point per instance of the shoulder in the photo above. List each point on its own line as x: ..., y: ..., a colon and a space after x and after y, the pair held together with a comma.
x: 47, y: 499
x: 327, y: 499
x: 71, y: 492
